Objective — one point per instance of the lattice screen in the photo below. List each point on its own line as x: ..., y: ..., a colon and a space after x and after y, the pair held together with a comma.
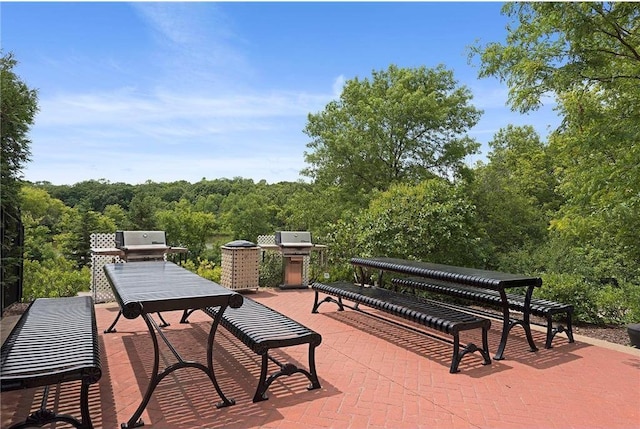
x: 100, y: 288
x: 266, y: 239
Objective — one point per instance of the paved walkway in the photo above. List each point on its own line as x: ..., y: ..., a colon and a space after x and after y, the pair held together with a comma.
x: 373, y: 375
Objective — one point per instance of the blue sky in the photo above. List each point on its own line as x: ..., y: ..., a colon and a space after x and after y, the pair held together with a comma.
x: 130, y: 92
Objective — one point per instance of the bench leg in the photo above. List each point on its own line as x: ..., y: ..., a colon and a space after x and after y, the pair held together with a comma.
x: 485, y: 346
x: 261, y: 390
x: 552, y: 331
x: 455, y: 360
x: 44, y: 416
x: 84, y: 406
x: 285, y: 369
x: 317, y: 303
x: 570, y: 326
x: 469, y: 348
x: 315, y: 383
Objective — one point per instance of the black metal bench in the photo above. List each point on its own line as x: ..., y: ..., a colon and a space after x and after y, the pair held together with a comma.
x: 261, y: 329
x: 410, y: 307
x: 55, y: 341
x: 539, y: 307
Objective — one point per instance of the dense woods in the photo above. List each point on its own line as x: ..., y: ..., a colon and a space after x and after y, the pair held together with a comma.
x: 386, y: 174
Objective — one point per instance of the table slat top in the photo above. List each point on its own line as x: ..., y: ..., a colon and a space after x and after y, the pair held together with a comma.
x: 469, y: 276
x: 164, y: 286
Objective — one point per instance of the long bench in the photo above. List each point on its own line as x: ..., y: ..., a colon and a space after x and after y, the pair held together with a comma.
x: 54, y: 341
x: 261, y: 329
x: 539, y: 307
x: 425, y: 312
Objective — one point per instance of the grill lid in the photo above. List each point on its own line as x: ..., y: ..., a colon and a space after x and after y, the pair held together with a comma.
x: 293, y: 239
x: 138, y: 240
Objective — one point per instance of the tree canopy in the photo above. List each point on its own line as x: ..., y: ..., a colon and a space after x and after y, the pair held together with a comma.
x: 18, y: 107
x: 558, y: 47
x: 401, y: 125
x: 588, y: 56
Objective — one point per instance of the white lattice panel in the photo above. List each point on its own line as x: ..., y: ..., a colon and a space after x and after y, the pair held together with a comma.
x: 100, y: 288
x: 266, y: 239
x: 305, y: 270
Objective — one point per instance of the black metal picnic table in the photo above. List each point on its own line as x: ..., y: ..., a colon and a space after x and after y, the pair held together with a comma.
x: 142, y: 288
x: 494, y: 280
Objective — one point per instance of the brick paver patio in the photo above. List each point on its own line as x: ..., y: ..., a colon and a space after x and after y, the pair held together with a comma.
x: 373, y: 375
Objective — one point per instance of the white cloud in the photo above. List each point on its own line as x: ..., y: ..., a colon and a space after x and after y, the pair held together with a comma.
x: 338, y: 85
x: 128, y: 108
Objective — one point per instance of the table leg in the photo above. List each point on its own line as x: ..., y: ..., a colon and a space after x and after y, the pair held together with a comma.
x: 526, y: 319
x: 157, y: 377
x: 111, y: 328
x: 211, y: 373
x: 507, y: 323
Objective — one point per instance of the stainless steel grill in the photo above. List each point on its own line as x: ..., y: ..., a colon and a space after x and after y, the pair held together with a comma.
x: 142, y: 245
x: 294, y: 246
x: 294, y: 243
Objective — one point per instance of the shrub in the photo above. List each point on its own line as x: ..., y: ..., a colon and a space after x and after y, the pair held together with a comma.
x: 271, y: 270
x: 53, y: 278
x: 205, y: 268
x: 571, y: 289
x: 593, y: 302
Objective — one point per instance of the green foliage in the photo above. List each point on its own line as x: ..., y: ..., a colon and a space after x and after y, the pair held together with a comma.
x: 204, y: 268
x: 571, y: 289
x: 53, y: 277
x: 247, y: 215
x: 186, y: 227
x: 142, y: 212
x: 558, y: 47
x: 593, y: 301
x: 18, y: 107
x: 270, y: 271
x: 515, y: 192
x: 316, y: 209
x: 119, y: 216
x: 97, y: 194
x: 587, y: 56
x: 402, y: 125
x: 432, y: 221
x: 599, y: 168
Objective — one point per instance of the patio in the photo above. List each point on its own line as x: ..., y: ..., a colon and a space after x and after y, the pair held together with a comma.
x: 373, y: 375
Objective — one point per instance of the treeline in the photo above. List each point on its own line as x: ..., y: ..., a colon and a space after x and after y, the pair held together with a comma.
x: 497, y: 215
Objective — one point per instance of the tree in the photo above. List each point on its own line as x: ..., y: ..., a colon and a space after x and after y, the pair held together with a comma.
x: 187, y: 227
x: 42, y: 217
x: 18, y: 107
x: 248, y: 215
x: 402, y: 125
x: 561, y: 47
x: 142, y: 212
x: 432, y: 221
x: 515, y: 192
x: 588, y: 56
x: 78, y: 225
x: 119, y: 216
x: 19, y: 104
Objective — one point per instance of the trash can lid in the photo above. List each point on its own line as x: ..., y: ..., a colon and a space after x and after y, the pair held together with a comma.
x: 240, y: 243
